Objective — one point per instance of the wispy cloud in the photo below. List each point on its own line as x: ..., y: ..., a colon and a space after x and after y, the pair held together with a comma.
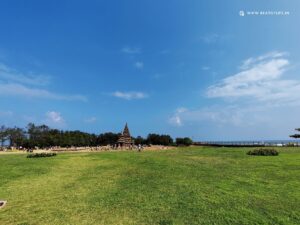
x: 12, y: 75
x: 176, y: 119
x: 91, y: 120
x: 131, y: 50
x: 139, y: 65
x: 129, y: 95
x: 205, y: 68
x: 221, y: 115
x: 13, y: 89
x: 15, y: 83
x: 260, y: 78
x: 210, y: 38
x: 213, y: 38
x: 252, y: 60
x: 239, y: 122
x: 54, y: 118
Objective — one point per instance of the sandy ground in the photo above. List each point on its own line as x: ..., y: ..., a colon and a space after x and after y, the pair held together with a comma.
x: 86, y: 149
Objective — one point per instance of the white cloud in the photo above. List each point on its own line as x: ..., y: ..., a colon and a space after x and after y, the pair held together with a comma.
x: 13, y: 89
x: 91, y: 120
x: 54, y: 118
x: 139, y: 65
x: 131, y: 50
x: 129, y: 95
x: 175, y: 119
x: 252, y: 60
x: 260, y: 79
x: 12, y: 75
x: 264, y: 103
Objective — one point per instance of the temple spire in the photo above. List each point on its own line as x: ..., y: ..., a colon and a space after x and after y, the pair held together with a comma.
x: 126, y: 130
x: 125, y: 138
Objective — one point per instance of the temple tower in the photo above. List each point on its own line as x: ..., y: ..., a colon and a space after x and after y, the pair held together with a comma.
x: 125, y: 140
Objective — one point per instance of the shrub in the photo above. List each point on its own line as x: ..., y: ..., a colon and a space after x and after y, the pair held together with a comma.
x: 40, y: 155
x: 263, y: 152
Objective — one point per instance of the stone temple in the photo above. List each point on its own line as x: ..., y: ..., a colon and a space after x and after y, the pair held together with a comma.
x: 125, y: 140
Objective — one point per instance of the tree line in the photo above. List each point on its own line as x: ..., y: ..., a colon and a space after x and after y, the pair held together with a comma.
x: 43, y: 136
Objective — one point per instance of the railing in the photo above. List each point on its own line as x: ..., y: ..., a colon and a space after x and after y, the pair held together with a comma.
x: 246, y: 144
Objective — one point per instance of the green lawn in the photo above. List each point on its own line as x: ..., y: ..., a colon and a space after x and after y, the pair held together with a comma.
x: 182, y: 186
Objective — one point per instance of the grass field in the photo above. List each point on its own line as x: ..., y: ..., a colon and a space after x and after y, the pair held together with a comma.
x: 181, y: 186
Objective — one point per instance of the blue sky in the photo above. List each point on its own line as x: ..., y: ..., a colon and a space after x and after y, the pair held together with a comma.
x: 186, y: 68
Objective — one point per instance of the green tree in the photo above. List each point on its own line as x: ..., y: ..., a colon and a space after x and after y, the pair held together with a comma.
x: 3, y: 135
x: 156, y: 139
x: 107, y: 138
x: 16, y: 136
x: 184, y: 141
x: 39, y: 135
x: 140, y: 140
